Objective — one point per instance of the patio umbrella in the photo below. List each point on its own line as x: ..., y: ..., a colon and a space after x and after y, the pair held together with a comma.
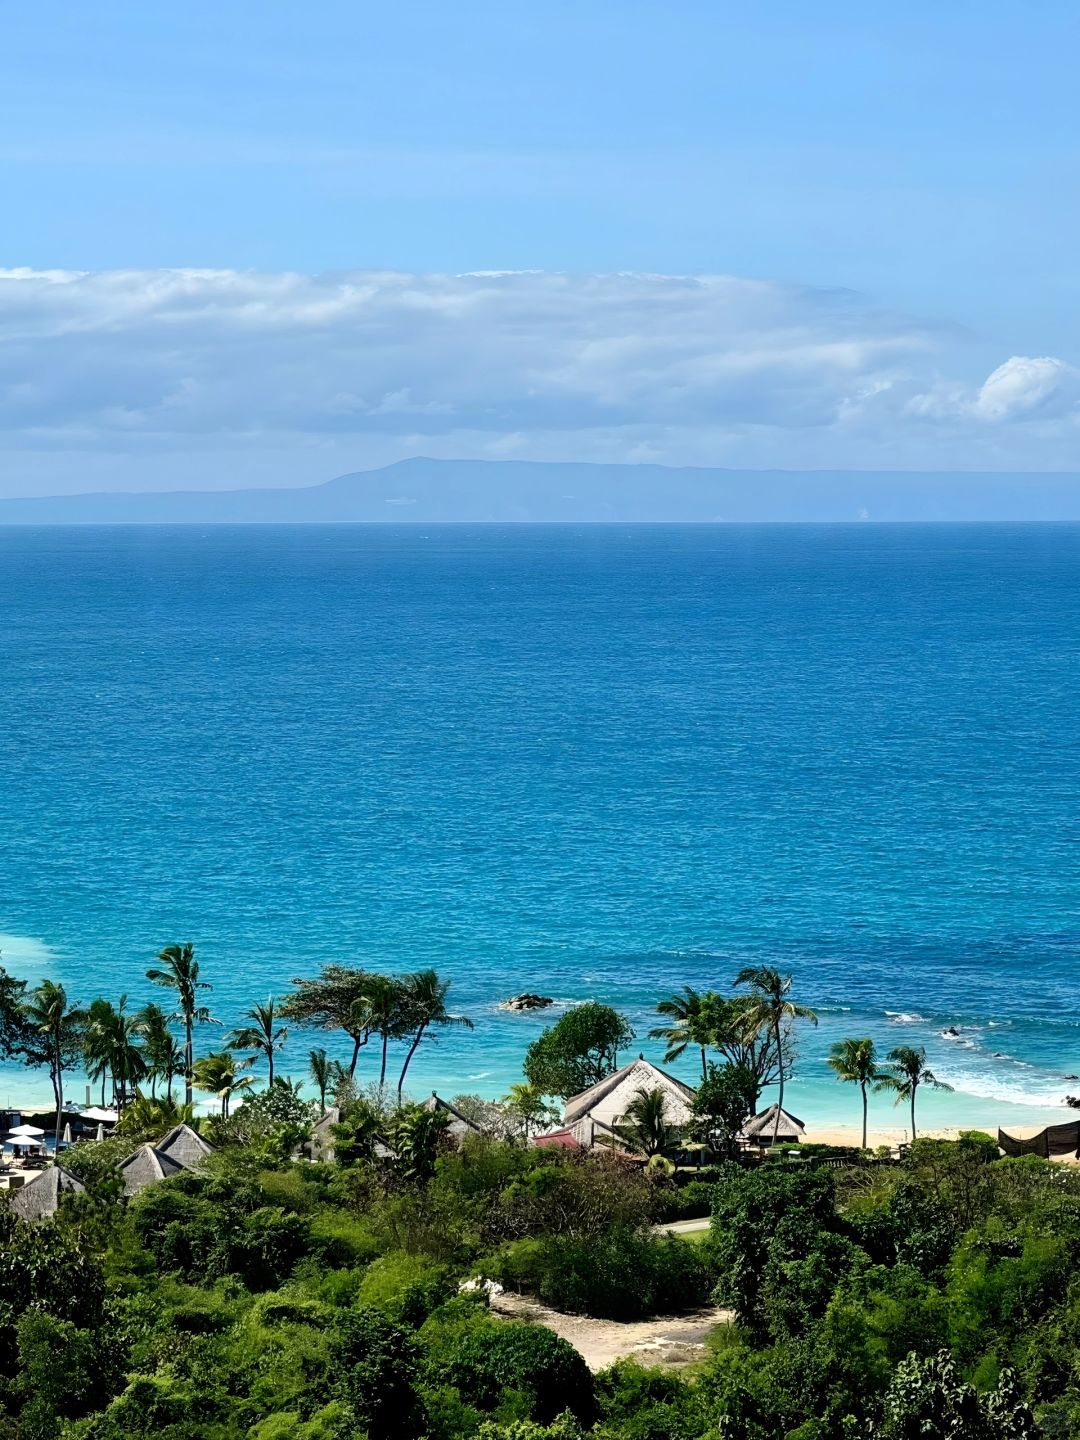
x: 66, y: 1136
x: 22, y: 1133
x: 100, y: 1132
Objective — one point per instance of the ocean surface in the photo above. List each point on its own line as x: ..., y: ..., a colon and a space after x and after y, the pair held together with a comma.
x: 591, y: 761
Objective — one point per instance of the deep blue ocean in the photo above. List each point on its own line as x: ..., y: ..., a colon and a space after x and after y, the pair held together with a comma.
x: 596, y: 761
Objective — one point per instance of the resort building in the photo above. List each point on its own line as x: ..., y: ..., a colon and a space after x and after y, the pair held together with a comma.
x: 758, y: 1130
x: 40, y: 1197
x: 594, y: 1117
x: 459, y: 1125
x: 181, y: 1149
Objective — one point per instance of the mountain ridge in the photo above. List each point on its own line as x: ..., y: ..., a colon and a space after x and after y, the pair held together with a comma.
x: 428, y: 491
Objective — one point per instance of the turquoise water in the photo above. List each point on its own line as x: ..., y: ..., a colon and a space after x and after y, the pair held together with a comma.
x: 597, y: 761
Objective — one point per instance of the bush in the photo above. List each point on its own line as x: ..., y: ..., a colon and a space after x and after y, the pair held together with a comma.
x: 498, y: 1356
x: 405, y: 1287
x: 376, y: 1376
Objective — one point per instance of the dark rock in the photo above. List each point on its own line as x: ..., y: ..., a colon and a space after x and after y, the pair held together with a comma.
x: 527, y: 1001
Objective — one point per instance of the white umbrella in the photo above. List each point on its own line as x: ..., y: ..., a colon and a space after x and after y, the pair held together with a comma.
x: 24, y: 1132
x: 100, y: 1132
x: 66, y: 1137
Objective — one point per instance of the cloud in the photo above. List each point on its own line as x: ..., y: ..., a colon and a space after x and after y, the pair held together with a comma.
x: 361, y: 367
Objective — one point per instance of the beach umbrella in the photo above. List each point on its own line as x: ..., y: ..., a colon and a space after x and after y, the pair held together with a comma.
x: 24, y: 1132
x: 66, y: 1136
x: 100, y: 1132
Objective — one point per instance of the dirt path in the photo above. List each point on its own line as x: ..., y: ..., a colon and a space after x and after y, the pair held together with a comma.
x: 665, y: 1340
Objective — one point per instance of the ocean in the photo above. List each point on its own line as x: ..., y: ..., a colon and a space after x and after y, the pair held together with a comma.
x: 596, y: 761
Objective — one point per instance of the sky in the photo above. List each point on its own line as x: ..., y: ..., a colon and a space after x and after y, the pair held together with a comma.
x: 266, y: 244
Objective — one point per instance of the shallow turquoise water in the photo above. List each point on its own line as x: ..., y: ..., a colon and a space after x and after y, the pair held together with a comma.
x: 596, y: 761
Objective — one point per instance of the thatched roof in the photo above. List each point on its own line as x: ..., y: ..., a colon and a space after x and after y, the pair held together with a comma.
x: 146, y: 1167
x: 759, y: 1128
x: 183, y: 1145
x: 612, y: 1095
x: 459, y: 1123
x: 41, y: 1196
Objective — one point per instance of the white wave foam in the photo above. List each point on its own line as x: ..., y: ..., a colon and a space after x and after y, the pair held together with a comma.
x: 989, y: 1086
x: 905, y: 1017
x: 25, y: 956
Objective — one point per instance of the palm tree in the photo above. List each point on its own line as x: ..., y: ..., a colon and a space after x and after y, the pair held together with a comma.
x: 60, y: 1026
x: 527, y: 1104
x: 383, y: 1010
x: 425, y: 1006
x: 693, y: 1023
x: 319, y: 1070
x: 855, y: 1062
x: 770, y: 1010
x: 263, y: 1035
x: 180, y: 972
x: 163, y: 1055
x: 99, y: 1019
x: 220, y: 1074
x: 647, y: 1130
x: 909, y: 1070
x: 127, y: 1060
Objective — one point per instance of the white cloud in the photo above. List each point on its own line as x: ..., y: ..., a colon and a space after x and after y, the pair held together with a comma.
x: 362, y: 367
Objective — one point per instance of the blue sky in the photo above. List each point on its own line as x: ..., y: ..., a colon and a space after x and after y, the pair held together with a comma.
x: 901, y: 179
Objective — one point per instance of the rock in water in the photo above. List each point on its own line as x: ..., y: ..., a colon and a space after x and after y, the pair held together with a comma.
x: 527, y: 1001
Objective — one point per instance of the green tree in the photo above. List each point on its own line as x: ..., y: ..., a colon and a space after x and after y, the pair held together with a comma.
x: 385, y: 1009
x: 112, y: 1046
x: 770, y: 1011
x: 319, y: 1070
x: 754, y: 1050
x: 220, y: 1074
x: 179, y: 971
x: 424, y: 1011
x: 415, y: 1136
x: 332, y: 1000
x: 61, y: 1027
x: 164, y: 1057
x: 909, y: 1070
x: 855, y: 1063
x: 529, y: 1108
x: 724, y: 1099
x: 645, y: 1128
x: 264, y: 1035
x: 377, y: 1370
x: 580, y: 1049
x: 927, y: 1400
x: 692, y: 1021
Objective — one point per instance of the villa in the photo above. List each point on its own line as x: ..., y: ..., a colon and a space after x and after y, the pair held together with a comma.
x: 181, y: 1149
x: 593, y: 1117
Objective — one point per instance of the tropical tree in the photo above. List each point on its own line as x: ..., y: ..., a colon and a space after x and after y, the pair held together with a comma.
x: 723, y: 1100
x: 319, y: 1070
x: 385, y: 1009
x: 149, y: 1118
x: 220, y: 1073
x: 95, y: 1041
x: 771, y: 1011
x: 424, y: 1010
x: 693, y: 1018
x: 414, y: 1135
x: 580, y: 1049
x: 644, y: 1127
x: 127, y: 1061
x: 164, y: 1057
x: 179, y: 971
x: 855, y: 1063
x: 60, y: 1026
x: 528, y: 1107
x: 264, y: 1035
x: 330, y: 1001
x: 909, y: 1070
x: 757, y: 1052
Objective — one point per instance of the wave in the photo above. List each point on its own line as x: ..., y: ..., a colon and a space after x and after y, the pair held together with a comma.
x: 905, y: 1017
x: 20, y: 954
x: 997, y: 1087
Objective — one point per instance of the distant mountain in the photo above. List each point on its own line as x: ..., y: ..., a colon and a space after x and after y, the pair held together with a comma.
x: 478, y: 491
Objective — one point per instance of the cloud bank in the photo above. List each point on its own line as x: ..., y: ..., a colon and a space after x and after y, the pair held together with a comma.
x: 222, y: 377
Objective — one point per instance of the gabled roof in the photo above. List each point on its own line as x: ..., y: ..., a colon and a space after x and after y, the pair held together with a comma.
x: 146, y: 1167
x: 41, y: 1196
x: 458, y: 1121
x: 183, y: 1145
x: 639, y: 1074
x: 762, y: 1124
x: 563, y: 1139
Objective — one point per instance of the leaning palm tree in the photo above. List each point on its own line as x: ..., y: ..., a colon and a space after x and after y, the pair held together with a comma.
x: 425, y: 1007
x: 909, y: 1070
x: 220, y: 1073
x: 693, y: 1022
x: 383, y: 1009
x: 61, y: 1027
x: 180, y: 972
x: 319, y: 1070
x: 644, y: 1126
x: 771, y: 1011
x: 855, y: 1062
x: 264, y: 1035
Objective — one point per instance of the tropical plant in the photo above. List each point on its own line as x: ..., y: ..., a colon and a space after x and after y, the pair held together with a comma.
x: 580, y: 1049
x: 385, y: 1009
x: 414, y: 1135
x: 771, y: 1011
x: 95, y: 1043
x: 529, y: 1108
x: 264, y: 1035
x: 164, y: 1056
x: 61, y: 1027
x: 644, y: 1126
x: 909, y: 1070
x: 332, y: 1000
x: 722, y: 1102
x: 757, y: 1052
x: 693, y: 1021
x: 149, y: 1118
x: 855, y: 1063
x: 424, y: 1010
x: 319, y: 1070
x: 220, y: 1074
x: 179, y: 971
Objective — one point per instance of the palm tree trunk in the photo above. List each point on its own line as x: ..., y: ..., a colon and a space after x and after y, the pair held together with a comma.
x: 382, y: 1070
x: 58, y: 1091
x: 862, y: 1087
x: 704, y: 1073
x: 913, y: 1089
x: 270, y: 1058
x: 357, y: 1042
x: 780, y: 1097
x: 412, y: 1051
x: 189, y: 1059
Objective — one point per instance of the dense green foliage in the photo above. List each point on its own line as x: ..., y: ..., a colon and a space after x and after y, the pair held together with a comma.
x: 266, y: 1298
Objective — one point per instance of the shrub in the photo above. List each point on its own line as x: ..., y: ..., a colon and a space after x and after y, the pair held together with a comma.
x: 376, y: 1376
x: 405, y: 1287
x: 498, y: 1356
